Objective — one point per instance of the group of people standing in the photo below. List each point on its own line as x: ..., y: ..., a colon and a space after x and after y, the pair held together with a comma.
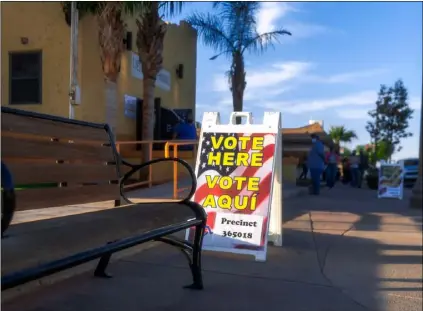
x: 353, y: 168
x: 320, y: 164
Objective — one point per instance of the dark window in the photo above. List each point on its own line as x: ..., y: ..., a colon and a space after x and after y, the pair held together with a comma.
x: 411, y: 162
x: 25, y: 77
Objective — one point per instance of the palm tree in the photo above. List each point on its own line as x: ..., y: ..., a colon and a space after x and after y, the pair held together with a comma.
x: 341, y: 134
x: 150, y: 37
x: 233, y: 32
x: 111, y: 32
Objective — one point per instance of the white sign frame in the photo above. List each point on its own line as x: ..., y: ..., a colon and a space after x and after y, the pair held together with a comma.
x: 386, y: 195
x: 271, y: 125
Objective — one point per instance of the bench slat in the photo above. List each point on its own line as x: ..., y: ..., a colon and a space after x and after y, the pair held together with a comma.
x: 50, y: 172
x: 37, y: 126
x: 60, y: 150
x: 50, y: 197
x: 45, y: 240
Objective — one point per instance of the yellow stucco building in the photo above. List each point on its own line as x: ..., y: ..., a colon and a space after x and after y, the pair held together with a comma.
x: 36, y: 36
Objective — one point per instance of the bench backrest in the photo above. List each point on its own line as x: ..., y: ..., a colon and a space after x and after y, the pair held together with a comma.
x: 56, y: 161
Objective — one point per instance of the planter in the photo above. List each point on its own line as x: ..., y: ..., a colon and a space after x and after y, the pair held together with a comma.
x: 373, y: 182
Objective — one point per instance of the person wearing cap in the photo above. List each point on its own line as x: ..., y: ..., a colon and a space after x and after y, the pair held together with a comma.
x: 316, y: 163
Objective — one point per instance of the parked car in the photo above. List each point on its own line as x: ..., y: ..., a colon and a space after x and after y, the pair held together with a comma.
x: 411, y: 170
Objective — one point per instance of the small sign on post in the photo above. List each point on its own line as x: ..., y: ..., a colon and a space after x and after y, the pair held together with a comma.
x: 239, y: 183
x: 391, y: 181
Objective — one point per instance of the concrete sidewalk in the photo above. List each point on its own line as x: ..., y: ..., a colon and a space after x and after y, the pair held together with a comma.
x: 345, y: 250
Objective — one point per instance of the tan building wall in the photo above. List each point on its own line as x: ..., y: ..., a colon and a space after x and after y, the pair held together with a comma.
x: 44, y: 25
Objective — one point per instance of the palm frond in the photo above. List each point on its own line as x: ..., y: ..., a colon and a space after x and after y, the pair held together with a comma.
x: 87, y: 6
x: 95, y: 7
x: 239, y: 19
x: 150, y: 38
x: 111, y: 31
x: 233, y: 8
x: 212, y: 31
x: 131, y: 8
x: 341, y: 134
x: 171, y: 8
x: 163, y: 8
x: 260, y: 42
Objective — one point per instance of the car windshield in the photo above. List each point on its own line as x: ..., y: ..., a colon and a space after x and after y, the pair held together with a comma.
x: 411, y: 162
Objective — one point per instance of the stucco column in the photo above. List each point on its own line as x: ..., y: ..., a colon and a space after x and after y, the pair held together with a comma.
x: 416, y: 197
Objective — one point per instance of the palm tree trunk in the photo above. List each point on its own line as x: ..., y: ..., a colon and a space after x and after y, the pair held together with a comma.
x: 111, y: 30
x: 147, y: 116
x: 111, y: 104
x: 237, y: 100
x: 150, y: 38
x: 238, y: 83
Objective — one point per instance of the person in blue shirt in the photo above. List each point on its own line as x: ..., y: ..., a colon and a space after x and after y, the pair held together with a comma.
x: 316, y: 163
x: 185, y: 130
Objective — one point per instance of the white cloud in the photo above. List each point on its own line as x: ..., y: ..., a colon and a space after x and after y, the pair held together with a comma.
x: 302, y: 106
x: 257, y: 94
x: 301, y: 30
x: 269, y: 13
x: 344, y: 77
x: 293, y: 70
x: 257, y: 79
x: 354, y: 114
x: 282, y: 72
x: 362, y: 113
x: 267, y: 86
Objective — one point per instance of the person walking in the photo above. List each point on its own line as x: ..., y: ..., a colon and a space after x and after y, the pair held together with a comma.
x: 332, y: 167
x: 346, y: 171
x: 362, y: 166
x: 304, y: 169
x: 316, y: 163
x: 354, y: 163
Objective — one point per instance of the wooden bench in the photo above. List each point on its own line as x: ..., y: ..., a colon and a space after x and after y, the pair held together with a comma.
x: 55, y: 161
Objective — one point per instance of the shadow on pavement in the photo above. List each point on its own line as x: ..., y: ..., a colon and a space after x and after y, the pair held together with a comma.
x: 291, y: 279
x: 345, y: 250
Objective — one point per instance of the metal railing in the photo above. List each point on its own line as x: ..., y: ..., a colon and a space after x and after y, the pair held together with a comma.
x: 175, y: 145
x: 150, y: 144
x: 167, y: 148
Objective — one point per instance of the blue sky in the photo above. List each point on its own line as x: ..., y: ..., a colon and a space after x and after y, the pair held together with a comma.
x: 330, y: 69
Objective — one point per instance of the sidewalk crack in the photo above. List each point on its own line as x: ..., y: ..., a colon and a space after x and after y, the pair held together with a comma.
x: 322, y: 263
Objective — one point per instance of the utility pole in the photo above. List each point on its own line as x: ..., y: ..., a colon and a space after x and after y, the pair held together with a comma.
x: 416, y: 196
x: 73, y: 79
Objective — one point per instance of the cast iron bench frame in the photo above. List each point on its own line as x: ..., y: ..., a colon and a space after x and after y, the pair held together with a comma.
x: 191, y: 250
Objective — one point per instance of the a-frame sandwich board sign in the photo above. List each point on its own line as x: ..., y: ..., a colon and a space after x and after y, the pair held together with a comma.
x: 239, y: 183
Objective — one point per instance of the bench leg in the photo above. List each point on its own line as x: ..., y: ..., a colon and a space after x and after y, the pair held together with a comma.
x: 103, y: 263
x: 195, y: 264
x: 100, y: 270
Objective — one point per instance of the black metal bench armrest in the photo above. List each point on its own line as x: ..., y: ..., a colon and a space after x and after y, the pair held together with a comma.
x: 136, y: 167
